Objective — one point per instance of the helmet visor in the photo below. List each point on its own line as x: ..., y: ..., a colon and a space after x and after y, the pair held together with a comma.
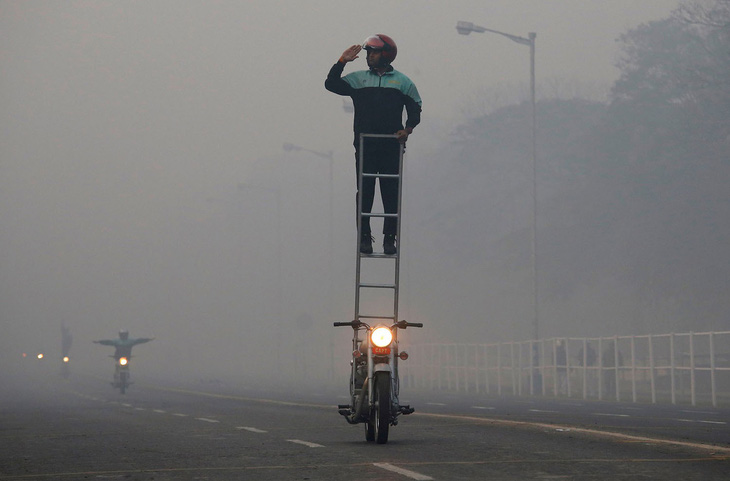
x: 375, y: 43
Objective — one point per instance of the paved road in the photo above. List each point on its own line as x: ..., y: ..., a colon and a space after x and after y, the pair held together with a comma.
x: 82, y: 429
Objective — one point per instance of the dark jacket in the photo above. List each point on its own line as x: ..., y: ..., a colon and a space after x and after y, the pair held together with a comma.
x: 378, y: 100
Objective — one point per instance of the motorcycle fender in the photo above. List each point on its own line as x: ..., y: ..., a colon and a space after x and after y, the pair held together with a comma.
x: 382, y: 367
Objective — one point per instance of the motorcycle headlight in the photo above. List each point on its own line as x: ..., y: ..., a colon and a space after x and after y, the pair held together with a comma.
x: 381, y: 337
x: 65, y: 359
x: 123, y: 361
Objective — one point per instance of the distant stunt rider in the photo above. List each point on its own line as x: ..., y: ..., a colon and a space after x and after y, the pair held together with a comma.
x: 379, y: 96
x: 123, y: 345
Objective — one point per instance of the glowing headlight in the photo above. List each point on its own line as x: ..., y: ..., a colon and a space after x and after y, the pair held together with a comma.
x: 122, y: 361
x: 381, y: 336
x: 65, y: 359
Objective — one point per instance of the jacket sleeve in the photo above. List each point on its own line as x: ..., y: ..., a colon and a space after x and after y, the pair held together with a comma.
x: 107, y: 342
x: 413, y: 107
x: 335, y: 83
x: 142, y: 340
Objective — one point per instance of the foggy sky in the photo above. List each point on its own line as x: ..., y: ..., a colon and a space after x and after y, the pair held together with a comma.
x: 143, y: 182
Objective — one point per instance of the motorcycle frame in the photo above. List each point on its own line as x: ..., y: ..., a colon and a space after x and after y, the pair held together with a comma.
x: 372, y: 368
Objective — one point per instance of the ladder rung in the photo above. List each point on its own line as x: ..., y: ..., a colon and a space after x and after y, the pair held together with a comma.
x: 384, y: 176
x: 377, y: 214
x: 378, y: 286
x: 380, y: 255
x: 377, y: 317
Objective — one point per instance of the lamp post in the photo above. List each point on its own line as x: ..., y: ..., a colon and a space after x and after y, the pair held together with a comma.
x: 289, y: 147
x: 325, y: 155
x: 242, y: 187
x: 465, y: 28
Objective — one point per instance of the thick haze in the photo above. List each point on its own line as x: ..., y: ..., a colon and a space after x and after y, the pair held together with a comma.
x: 143, y: 182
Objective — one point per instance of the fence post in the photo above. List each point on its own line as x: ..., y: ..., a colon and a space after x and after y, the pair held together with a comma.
x: 476, y: 368
x: 440, y: 366
x: 555, y: 368
x: 486, y: 366
x: 465, y: 374
x: 499, y: 369
x: 519, y: 368
x: 567, y: 365
x: 651, y: 369
x: 585, y: 367
x: 616, y: 366
x: 512, y: 366
x: 671, y: 368
x: 692, y: 367
x: 600, y: 368
x: 633, y: 368
x: 712, y: 369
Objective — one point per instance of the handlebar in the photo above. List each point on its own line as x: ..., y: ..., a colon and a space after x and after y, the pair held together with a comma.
x: 352, y: 324
x: 356, y: 324
x: 404, y: 324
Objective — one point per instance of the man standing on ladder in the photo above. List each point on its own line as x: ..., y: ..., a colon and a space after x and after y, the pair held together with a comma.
x: 379, y: 96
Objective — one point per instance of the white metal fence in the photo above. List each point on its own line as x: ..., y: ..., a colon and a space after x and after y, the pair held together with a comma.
x: 678, y: 368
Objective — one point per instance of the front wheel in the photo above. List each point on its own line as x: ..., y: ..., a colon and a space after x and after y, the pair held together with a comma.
x: 123, y: 382
x: 382, y: 407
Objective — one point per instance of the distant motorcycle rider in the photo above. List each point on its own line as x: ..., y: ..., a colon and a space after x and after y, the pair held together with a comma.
x: 123, y: 345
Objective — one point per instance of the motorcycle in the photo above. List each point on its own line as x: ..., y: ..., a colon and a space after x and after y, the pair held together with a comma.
x: 121, y: 375
x: 65, y: 371
x: 374, y: 382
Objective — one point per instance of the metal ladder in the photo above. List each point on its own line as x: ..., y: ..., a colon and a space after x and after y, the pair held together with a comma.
x: 359, y: 285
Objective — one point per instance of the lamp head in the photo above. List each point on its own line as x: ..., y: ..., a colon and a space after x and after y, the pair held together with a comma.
x: 464, y: 28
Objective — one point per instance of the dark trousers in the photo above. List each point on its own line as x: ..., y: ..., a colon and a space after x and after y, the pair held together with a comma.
x: 380, y: 156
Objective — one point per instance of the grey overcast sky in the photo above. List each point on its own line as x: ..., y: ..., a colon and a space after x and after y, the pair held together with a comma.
x: 116, y: 114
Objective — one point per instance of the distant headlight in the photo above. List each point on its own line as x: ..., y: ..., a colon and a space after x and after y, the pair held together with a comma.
x: 381, y: 336
x: 65, y: 359
x: 123, y: 361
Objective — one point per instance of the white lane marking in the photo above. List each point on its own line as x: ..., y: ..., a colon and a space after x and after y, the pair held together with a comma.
x: 253, y: 430
x: 208, y: 420
x: 159, y: 411
x: 595, y: 432
x: 700, y: 421
x: 405, y: 472
x: 180, y: 415
x: 541, y: 411
x: 482, y: 407
x: 305, y: 443
x: 127, y: 405
x: 613, y: 415
x: 436, y: 404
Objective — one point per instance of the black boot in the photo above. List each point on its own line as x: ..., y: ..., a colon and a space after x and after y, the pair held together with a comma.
x: 366, y: 244
x: 389, y: 244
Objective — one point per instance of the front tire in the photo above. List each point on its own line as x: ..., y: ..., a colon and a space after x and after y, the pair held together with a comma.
x: 123, y: 382
x: 382, y: 407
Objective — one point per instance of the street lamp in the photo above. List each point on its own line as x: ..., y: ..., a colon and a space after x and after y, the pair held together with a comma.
x: 243, y: 187
x: 289, y: 147
x: 465, y: 28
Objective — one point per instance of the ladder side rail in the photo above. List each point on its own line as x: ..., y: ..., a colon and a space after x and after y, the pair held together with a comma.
x: 358, y: 221
x: 398, y: 230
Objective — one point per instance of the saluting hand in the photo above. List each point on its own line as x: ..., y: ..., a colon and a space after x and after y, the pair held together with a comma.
x: 351, y: 53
